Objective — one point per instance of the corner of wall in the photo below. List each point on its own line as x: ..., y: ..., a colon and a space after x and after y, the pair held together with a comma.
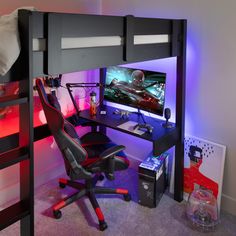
x: 228, y: 204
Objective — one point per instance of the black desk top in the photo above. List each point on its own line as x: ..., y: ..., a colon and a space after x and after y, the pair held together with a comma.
x: 162, y: 138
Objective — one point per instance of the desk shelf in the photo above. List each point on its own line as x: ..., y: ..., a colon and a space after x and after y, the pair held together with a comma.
x: 162, y: 138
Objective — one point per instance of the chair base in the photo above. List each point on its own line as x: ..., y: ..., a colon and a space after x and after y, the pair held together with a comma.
x: 88, y: 189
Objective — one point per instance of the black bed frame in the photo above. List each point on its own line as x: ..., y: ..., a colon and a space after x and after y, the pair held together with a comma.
x: 18, y: 148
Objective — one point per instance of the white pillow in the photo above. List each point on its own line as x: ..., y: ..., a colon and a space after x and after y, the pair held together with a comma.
x: 9, y: 40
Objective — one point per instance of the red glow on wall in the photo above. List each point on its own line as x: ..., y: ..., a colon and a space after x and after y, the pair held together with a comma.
x: 9, y: 121
x: 9, y: 116
x: 9, y: 124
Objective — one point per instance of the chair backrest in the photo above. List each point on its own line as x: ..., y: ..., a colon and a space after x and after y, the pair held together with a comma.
x: 64, y: 134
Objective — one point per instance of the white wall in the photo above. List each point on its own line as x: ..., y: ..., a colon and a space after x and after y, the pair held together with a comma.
x: 69, y: 6
x: 211, y: 64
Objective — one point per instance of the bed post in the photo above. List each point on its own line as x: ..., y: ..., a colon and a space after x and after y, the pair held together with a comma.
x: 26, y: 135
x: 180, y: 110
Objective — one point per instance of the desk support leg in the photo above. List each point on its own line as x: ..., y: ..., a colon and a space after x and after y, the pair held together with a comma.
x: 179, y: 178
x: 180, y: 112
x: 102, y: 129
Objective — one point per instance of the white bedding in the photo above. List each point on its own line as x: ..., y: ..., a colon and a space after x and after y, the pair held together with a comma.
x: 9, y: 40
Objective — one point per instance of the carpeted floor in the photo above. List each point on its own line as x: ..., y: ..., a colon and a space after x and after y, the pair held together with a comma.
x: 123, y: 218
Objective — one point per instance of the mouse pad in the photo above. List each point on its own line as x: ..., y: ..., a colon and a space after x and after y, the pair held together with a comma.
x: 129, y: 126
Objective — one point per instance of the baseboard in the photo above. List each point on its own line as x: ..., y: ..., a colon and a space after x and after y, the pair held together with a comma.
x: 133, y: 157
x: 11, y: 193
x: 49, y: 174
x: 8, y: 194
x: 228, y: 204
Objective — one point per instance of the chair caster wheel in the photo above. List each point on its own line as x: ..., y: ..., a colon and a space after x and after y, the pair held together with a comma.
x: 57, y: 214
x: 61, y: 185
x: 102, y: 225
x: 127, y: 197
x: 101, y: 177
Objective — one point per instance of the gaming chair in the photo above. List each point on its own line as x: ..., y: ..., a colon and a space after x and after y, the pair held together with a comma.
x: 85, y: 158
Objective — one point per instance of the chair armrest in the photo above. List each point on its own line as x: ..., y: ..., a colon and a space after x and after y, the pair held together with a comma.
x: 108, y: 156
x: 110, y: 152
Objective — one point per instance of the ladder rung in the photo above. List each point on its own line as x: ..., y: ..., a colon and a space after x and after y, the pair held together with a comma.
x: 12, y: 100
x: 13, y: 213
x: 13, y: 156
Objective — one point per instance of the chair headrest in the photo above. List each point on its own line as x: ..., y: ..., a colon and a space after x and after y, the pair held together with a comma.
x: 48, y: 98
x: 41, y: 90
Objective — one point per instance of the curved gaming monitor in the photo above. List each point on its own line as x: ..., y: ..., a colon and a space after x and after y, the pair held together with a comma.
x: 136, y: 88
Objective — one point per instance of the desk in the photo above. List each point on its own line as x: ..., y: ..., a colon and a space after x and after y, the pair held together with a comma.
x: 162, y: 138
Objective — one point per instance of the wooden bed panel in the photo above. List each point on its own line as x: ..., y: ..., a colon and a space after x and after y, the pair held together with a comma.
x: 151, y: 51
x: 149, y: 26
x: 53, y: 26
x: 76, y: 25
x: 39, y: 24
x: 90, y: 58
x: 72, y: 25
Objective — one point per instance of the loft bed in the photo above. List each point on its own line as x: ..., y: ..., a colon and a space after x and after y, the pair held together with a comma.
x: 58, y: 43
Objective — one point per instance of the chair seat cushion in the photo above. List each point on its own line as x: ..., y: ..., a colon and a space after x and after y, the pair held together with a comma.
x: 94, y: 138
x: 94, y: 150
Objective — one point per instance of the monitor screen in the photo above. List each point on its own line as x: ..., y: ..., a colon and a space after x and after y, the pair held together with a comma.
x: 137, y: 88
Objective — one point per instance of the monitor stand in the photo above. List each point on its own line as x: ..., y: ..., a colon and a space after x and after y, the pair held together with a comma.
x: 144, y: 125
x: 140, y: 114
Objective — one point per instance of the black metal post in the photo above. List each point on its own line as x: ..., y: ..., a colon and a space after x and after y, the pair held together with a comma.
x: 26, y: 135
x: 180, y: 111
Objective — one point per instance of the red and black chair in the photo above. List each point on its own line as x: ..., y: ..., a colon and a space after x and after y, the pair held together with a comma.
x: 85, y: 158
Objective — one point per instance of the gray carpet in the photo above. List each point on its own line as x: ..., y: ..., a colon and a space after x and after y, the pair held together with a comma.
x: 123, y: 218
